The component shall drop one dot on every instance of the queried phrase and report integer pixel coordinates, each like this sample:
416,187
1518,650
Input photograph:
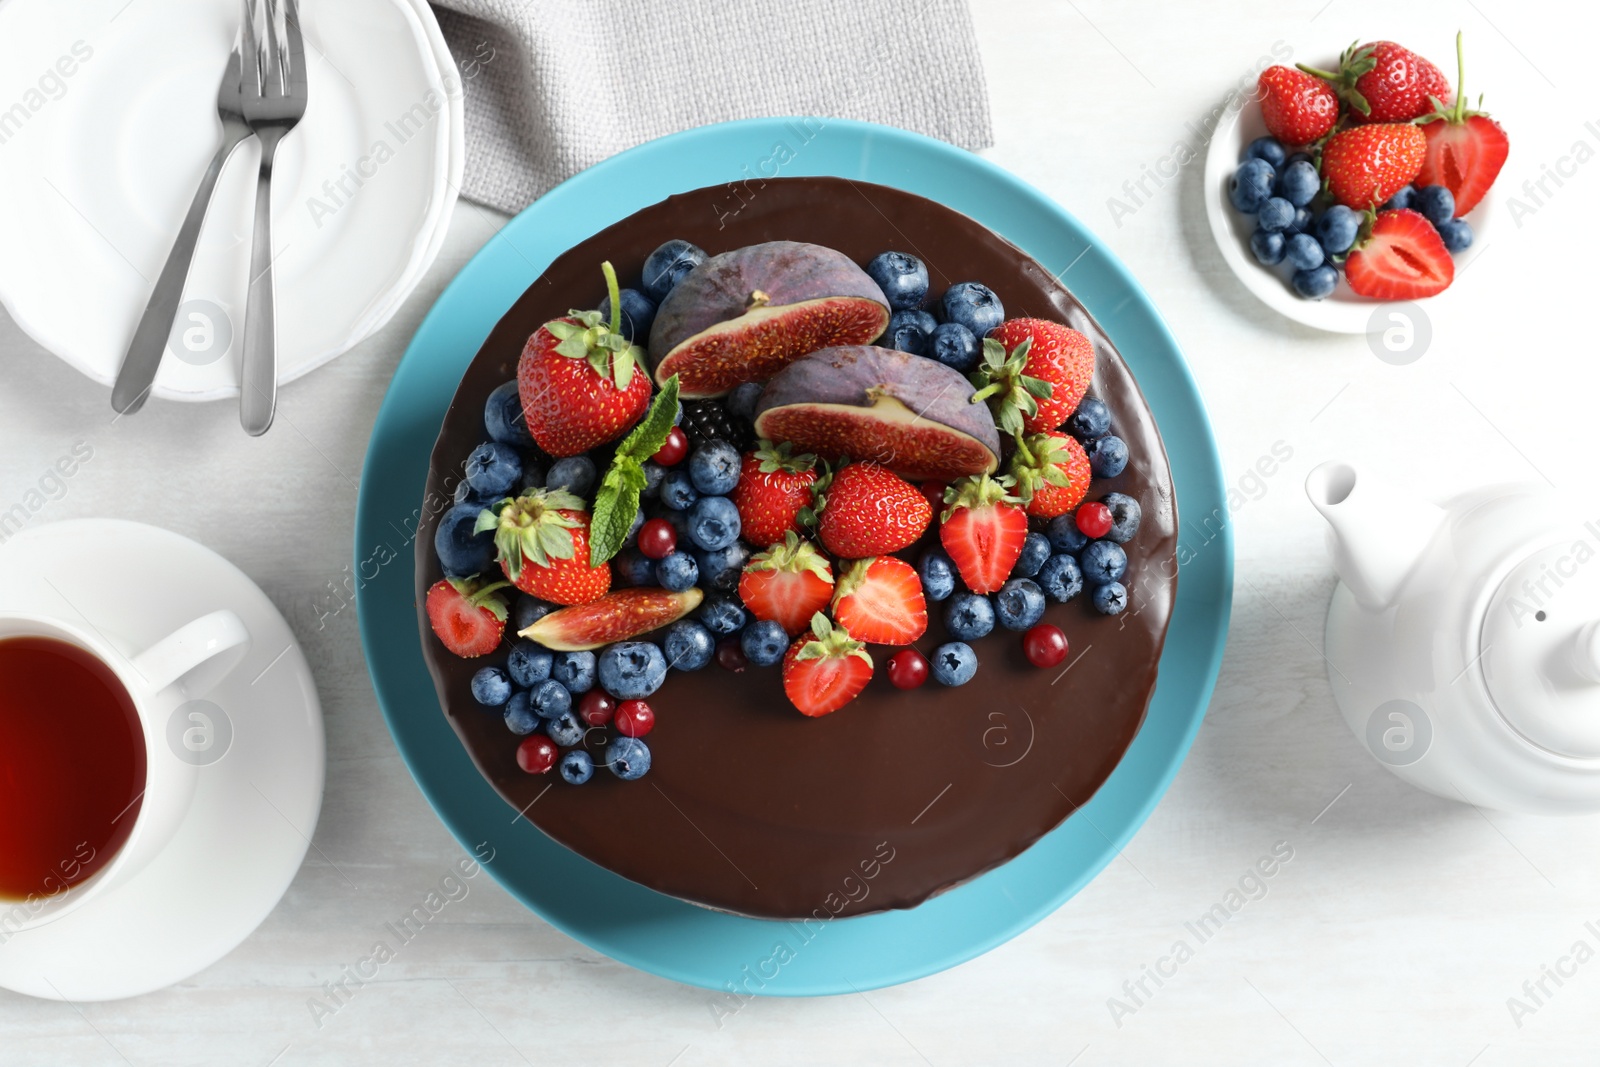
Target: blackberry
710,420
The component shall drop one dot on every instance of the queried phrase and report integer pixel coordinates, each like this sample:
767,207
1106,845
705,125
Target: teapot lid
1540,649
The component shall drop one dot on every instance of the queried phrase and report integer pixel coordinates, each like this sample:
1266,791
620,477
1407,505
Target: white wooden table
1398,929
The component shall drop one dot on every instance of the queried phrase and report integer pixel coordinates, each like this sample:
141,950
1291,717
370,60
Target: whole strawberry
774,488
542,541
983,530
788,583
1051,472
868,510
467,615
1385,82
1033,374
825,671
580,381
1298,107
1466,149
1365,165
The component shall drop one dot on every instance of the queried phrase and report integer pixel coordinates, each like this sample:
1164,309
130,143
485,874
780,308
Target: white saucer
256,806
1345,311
95,179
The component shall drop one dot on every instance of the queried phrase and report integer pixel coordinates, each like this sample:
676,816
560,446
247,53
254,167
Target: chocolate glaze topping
750,807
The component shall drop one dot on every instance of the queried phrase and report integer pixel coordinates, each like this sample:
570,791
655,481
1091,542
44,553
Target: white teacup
184,665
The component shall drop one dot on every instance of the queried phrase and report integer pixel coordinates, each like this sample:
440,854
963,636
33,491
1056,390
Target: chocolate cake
752,808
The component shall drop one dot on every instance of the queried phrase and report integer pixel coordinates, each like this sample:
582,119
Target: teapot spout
1376,533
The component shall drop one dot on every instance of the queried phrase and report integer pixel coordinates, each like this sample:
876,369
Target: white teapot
1463,641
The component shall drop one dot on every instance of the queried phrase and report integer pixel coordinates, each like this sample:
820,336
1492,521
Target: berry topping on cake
774,488
826,670
868,510
879,600
982,529
1045,645
787,584
1033,374
1051,472
908,669
542,541
467,615
616,616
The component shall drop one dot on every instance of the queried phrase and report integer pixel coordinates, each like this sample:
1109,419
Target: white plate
98,165
256,804
1345,311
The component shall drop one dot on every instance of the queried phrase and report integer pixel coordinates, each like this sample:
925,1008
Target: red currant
934,491
596,707
537,754
657,538
731,656
634,718
908,669
1044,645
675,448
1094,519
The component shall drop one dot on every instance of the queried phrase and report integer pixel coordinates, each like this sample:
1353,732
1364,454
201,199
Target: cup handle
219,638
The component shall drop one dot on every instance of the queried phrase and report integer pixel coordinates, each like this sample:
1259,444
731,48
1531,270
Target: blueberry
634,567
677,571
910,330
628,758
550,698
632,670
1456,235
520,717
1315,284
461,552
491,687
1337,229
1035,550
1303,252
565,729
653,474
1019,604
714,468
742,401
1251,185
721,568
576,767
533,473
902,277
1437,204
503,417
1060,578
713,523
938,574
1125,516
1107,457
493,469
688,645
722,615
638,312
1304,222
954,663
575,474
969,616
1110,599
1275,215
632,537
677,491
1404,197
1092,420
1267,247
764,642
575,670
465,494
666,266
954,345
1104,562
974,306
1267,148
1064,534
528,664
1299,183
678,520
528,610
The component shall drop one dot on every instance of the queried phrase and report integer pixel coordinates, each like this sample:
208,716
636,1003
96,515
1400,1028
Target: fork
273,90
149,342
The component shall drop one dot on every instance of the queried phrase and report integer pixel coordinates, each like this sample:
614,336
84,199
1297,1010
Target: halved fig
617,616
744,315
913,415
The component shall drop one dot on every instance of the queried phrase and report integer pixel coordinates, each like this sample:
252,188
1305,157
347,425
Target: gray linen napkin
554,86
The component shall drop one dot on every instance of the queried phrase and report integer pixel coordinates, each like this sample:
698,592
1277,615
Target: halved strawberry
1033,374
617,616
825,671
983,530
468,615
774,488
1465,149
1403,259
880,601
542,541
1052,473
868,510
788,583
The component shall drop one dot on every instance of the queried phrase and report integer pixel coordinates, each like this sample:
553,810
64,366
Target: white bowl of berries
1335,194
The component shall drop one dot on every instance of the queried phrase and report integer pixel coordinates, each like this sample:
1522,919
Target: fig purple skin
744,315
911,414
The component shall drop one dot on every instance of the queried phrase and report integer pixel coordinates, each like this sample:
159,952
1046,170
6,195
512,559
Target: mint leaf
646,439
617,500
